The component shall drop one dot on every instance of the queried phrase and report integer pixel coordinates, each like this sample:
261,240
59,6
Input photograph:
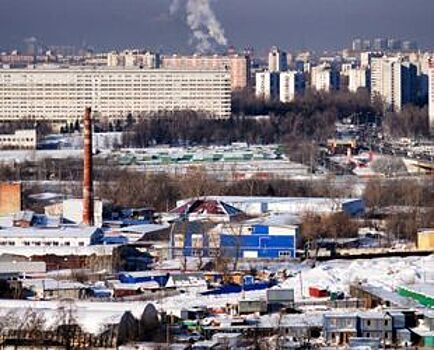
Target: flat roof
36,232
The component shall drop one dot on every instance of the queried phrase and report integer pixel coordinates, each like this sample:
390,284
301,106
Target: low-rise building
20,139
340,327
50,237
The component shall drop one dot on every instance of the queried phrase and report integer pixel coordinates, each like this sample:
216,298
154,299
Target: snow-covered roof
22,267
51,284
145,228
36,232
100,250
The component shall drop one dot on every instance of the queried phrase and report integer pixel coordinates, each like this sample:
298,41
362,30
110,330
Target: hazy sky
291,24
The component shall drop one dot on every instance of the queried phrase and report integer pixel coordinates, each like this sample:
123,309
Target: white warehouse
50,237
61,94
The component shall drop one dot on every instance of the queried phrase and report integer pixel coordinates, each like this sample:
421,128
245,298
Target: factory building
62,94
244,241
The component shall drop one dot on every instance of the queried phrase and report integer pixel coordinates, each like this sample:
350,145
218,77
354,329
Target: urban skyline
291,24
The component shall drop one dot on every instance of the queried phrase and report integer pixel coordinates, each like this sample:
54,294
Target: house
376,325
340,327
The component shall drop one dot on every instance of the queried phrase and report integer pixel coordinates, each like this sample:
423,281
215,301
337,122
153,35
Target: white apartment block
358,78
431,96
267,85
21,139
133,58
324,78
291,84
277,60
393,80
61,94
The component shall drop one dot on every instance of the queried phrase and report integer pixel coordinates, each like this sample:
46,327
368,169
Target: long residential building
61,94
237,64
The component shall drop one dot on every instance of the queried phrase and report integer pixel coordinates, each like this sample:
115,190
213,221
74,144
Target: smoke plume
205,28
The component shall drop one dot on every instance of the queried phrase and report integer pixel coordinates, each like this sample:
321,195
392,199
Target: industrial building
291,205
244,241
259,241
37,237
62,94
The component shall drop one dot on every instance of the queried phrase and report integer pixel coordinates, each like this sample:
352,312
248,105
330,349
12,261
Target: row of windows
40,243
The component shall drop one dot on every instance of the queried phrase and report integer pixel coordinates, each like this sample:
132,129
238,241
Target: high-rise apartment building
277,60
325,78
291,84
267,85
394,80
62,94
358,78
379,44
357,44
133,58
237,64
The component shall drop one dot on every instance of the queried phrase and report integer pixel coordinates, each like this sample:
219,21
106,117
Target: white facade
358,78
72,210
277,60
133,58
38,237
324,78
291,84
393,80
267,85
21,139
59,94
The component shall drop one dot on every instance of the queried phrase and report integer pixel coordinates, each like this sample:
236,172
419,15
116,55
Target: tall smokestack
87,170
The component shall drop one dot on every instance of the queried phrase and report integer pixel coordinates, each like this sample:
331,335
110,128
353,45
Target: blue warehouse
235,240
260,242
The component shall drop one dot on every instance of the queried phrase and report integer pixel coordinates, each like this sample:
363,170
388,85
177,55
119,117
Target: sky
290,24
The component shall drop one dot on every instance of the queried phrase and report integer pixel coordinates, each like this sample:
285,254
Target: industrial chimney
87,170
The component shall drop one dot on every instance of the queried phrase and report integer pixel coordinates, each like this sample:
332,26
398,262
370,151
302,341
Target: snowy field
335,275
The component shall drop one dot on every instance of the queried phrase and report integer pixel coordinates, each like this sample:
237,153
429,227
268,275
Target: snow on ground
335,275
389,273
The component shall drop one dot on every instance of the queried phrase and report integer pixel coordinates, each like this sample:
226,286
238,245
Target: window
67,244
368,335
368,322
284,253
81,244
